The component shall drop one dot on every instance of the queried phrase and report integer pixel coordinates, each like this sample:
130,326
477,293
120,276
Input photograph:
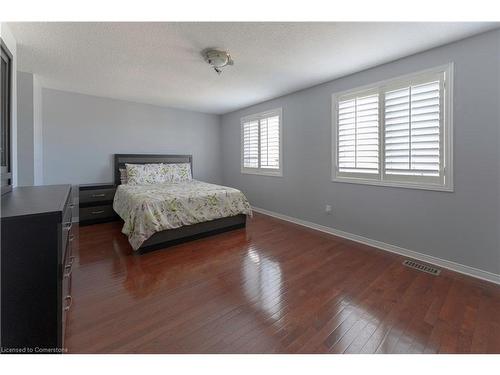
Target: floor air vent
422,267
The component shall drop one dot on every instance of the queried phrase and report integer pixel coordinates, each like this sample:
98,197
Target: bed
158,215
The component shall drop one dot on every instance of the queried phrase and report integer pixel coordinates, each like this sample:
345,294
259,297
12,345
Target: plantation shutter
412,130
261,143
358,135
251,144
269,142
397,132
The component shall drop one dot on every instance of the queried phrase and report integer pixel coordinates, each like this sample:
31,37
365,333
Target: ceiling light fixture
217,58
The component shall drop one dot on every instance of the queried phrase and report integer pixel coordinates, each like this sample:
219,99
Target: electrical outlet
328,209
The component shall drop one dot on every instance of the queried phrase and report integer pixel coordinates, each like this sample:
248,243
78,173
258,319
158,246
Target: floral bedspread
147,209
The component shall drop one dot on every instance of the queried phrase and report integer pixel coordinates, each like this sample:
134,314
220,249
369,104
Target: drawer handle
98,195
68,225
70,299
71,237
72,205
97,212
71,259
70,268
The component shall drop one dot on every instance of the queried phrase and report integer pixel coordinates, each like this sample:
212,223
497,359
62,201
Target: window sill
405,185
263,173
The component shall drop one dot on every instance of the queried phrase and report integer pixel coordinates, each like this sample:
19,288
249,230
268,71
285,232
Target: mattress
147,209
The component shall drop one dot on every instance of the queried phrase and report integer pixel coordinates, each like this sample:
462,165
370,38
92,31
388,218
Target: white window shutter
397,132
412,130
261,143
251,144
358,135
270,142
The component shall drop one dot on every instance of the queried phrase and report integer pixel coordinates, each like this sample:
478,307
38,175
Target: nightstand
96,203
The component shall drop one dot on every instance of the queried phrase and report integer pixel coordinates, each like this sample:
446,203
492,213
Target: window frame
6,174
257,117
380,179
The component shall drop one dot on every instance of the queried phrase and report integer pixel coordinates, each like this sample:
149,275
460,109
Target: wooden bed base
186,233
172,237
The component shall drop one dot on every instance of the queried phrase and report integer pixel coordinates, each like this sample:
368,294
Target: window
5,119
261,146
396,133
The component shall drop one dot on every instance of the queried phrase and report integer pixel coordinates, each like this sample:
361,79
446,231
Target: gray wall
25,130
81,133
461,226
37,132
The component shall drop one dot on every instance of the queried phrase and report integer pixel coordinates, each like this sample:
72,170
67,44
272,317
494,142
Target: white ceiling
160,63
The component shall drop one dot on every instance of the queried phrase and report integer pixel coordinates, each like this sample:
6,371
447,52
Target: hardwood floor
273,288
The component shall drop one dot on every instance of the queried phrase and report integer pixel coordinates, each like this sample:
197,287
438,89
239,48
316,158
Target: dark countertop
34,200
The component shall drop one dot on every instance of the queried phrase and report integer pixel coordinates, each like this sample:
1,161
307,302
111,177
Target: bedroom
250,187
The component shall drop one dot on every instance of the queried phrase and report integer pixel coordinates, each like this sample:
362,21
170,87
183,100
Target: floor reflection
262,282
140,279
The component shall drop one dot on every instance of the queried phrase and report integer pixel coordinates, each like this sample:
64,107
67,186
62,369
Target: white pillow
149,174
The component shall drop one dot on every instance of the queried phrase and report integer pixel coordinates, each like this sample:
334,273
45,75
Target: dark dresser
96,203
36,238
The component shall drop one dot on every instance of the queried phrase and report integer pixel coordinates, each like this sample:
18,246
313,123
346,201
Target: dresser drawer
97,195
67,301
68,211
67,224
97,212
67,256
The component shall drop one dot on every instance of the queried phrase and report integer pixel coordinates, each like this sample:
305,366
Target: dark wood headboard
121,159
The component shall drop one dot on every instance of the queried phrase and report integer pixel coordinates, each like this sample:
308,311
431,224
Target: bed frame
175,236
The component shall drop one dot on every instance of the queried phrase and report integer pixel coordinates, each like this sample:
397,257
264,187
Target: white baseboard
457,267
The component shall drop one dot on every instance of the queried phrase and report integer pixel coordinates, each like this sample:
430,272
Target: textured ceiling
160,63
